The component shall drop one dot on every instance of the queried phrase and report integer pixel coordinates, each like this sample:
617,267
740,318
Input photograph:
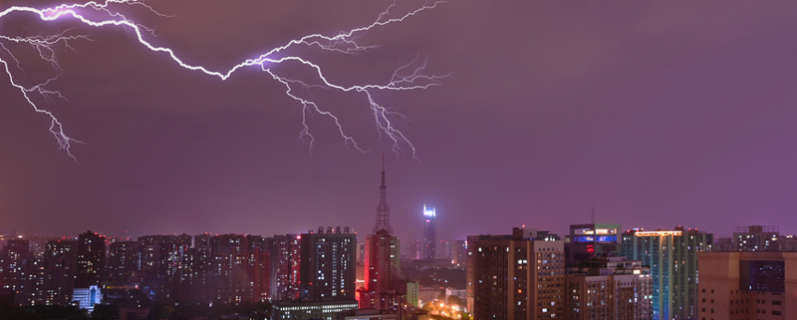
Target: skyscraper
162,261
61,264
285,255
249,277
90,260
123,260
327,268
12,257
429,233
672,257
162,255
382,253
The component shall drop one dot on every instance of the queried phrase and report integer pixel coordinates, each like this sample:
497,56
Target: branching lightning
409,76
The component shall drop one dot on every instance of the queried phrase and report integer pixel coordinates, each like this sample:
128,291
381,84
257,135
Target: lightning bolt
409,76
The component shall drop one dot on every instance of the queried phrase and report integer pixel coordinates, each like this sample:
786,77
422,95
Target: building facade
747,285
87,298
328,265
90,260
285,261
609,288
672,258
12,259
382,270
123,260
515,277
314,310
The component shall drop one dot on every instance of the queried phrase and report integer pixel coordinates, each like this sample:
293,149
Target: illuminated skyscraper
382,253
429,233
672,257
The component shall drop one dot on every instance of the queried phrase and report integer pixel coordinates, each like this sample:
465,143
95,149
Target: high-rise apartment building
61,266
429,233
90,260
382,272
123,260
248,279
198,282
515,277
328,265
609,288
230,243
31,283
747,285
162,255
202,242
285,261
12,259
162,261
236,270
672,258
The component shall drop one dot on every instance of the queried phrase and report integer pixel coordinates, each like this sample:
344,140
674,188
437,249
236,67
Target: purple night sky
658,113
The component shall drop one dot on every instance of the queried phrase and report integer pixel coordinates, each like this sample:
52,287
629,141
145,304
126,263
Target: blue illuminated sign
596,239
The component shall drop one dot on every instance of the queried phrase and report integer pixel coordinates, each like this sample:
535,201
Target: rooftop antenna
593,213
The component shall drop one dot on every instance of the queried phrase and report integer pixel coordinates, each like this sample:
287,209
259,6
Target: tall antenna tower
383,210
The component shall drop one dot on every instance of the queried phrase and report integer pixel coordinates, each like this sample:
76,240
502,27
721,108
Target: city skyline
659,114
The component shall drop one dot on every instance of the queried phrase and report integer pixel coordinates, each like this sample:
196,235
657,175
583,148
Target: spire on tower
383,210
383,171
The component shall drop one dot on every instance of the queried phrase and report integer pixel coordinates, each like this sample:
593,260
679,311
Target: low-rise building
327,310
